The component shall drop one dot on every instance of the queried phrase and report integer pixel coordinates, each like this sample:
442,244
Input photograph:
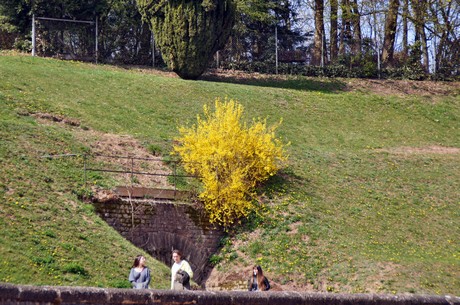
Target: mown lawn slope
369,201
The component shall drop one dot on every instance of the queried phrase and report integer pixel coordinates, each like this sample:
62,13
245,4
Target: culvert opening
158,221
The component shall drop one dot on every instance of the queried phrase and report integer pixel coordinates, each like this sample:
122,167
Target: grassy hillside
369,201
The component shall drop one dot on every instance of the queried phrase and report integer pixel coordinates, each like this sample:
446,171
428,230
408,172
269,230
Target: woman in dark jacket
258,282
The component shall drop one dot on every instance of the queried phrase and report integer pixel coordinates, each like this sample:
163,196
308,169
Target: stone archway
160,245
159,226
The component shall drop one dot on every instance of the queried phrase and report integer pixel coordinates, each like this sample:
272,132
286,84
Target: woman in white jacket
181,272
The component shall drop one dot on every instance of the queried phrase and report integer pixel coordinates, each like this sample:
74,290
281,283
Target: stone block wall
159,226
46,295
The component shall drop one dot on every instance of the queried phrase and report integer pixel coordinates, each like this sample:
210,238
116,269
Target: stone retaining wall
159,226
52,295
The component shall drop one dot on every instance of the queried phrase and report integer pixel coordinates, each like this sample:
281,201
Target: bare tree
405,18
345,33
390,32
419,8
333,32
444,17
319,51
356,21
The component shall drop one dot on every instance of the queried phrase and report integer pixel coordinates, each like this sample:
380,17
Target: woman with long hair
140,273
181,272
258,282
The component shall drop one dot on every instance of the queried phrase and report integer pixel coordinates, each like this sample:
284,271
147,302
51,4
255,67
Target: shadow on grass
277,186
302,83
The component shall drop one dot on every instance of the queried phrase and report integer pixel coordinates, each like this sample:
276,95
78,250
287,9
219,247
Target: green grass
349,213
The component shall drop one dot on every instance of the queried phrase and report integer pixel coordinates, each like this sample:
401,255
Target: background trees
123,38
253,38
360,38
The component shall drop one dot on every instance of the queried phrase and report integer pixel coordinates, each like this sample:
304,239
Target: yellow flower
230,158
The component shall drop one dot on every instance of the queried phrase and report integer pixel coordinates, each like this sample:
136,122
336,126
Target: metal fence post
132,171
175,176
84,169
96,41
276,48
33,35
153,49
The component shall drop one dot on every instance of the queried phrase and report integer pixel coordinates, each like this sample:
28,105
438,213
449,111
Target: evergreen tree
189,32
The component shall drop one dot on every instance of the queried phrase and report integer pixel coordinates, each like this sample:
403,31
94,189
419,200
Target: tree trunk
405,27
390,33
319,52
420,9
356,19
345,33
333,39
439,31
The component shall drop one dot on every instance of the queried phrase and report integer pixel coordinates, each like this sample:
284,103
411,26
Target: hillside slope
368,203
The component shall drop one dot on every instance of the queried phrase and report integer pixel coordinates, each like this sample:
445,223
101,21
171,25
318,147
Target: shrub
230,158
215,259
75,269
43,261
155,149
119,283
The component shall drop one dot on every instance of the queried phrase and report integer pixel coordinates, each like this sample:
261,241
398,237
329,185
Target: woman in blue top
140,274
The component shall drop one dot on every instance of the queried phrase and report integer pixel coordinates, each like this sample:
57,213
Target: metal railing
132,172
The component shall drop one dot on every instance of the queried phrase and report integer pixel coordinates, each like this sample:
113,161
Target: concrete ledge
55,295
73,295
145,192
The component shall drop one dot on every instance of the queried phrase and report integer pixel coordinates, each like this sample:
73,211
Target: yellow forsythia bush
230,158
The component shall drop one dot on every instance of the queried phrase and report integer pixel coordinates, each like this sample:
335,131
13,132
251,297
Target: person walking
181,272
139,276
258,282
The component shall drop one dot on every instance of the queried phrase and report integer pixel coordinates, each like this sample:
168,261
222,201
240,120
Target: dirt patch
57,119
380,273
240,76
103,195
237,279
123,152
116,152
442,150
429,89
294,228
153,71
404,87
